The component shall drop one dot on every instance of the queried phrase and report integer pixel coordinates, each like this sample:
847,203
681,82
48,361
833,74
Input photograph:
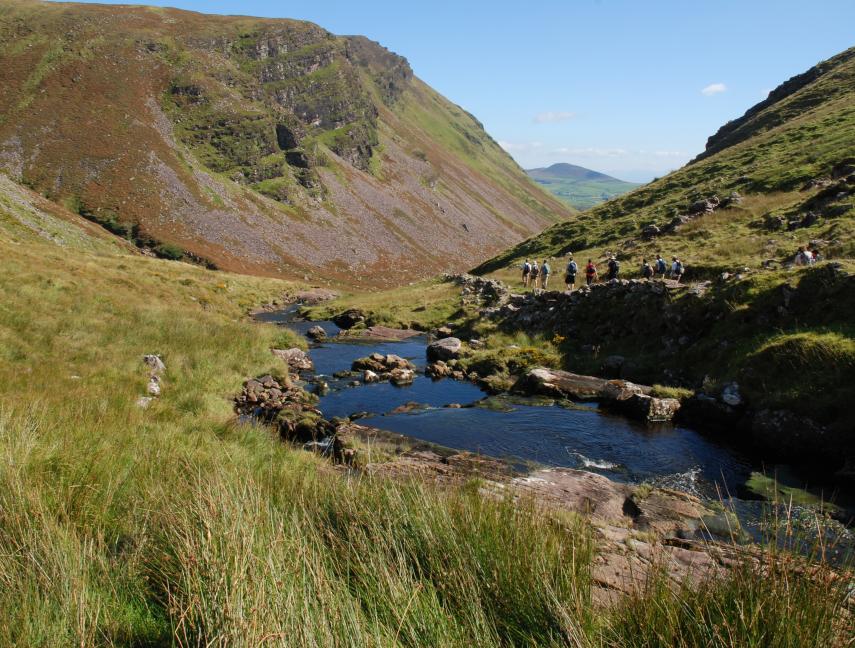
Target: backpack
647,271
660,266
526,268
616,266
545,269
572,268
534,271
680,268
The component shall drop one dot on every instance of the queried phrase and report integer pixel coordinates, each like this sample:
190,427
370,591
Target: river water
527,431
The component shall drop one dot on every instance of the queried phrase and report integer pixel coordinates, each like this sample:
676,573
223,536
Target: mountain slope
263,146
787,159
577,186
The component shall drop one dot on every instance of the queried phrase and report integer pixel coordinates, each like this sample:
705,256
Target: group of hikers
806,256
536,276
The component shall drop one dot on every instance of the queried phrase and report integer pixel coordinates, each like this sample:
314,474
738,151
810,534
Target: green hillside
579,187
264,146
793,157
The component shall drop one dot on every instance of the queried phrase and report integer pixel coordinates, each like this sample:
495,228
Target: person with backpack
535,275
526,273
614,268
570,275
677,269
590,272
661,266
545,270
646,270
804,257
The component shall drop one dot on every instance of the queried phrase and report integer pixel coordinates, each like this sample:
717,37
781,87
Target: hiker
614,268
661,266
590,272
676,269
804,257
646,270
535,275
814,252
570,275
526,273
545,271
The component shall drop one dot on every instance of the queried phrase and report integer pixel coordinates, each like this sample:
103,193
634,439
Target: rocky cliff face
265,146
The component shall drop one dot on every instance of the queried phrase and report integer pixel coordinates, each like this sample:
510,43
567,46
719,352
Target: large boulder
317,333
402,376
648,408
349,318
444,349
296,359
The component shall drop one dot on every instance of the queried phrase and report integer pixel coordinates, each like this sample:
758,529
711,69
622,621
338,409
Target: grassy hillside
804,135
579,187
264,146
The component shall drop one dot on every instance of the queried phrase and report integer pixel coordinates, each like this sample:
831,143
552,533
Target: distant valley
579,187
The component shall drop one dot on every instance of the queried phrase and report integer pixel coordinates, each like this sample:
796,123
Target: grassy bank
421,306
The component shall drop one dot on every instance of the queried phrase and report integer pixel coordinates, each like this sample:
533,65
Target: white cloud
519,147
553,117
669,154
713,89
590,152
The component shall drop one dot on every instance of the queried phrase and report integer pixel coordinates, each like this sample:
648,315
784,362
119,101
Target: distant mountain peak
577,186
573,172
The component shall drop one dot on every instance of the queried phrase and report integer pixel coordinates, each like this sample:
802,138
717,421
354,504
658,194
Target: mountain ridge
265,146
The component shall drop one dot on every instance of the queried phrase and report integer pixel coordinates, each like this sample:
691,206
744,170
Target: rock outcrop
378,367
296,359
621,395
444,349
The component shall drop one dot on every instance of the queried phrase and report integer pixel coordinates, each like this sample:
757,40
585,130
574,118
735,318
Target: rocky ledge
620,395
637,529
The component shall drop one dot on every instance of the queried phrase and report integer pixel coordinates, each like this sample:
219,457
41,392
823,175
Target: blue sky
628,87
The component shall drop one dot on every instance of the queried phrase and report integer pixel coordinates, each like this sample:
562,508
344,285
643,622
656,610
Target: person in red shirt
590,272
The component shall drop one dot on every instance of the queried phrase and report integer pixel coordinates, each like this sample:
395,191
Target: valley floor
175,524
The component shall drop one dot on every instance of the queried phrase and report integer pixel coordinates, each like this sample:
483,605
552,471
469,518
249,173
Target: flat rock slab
579,491
379,334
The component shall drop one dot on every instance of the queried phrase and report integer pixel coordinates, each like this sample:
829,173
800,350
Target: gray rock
349,318
154,363
731,396
296,359
650,231
317,333
444,349
369,376
402,376
154,386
